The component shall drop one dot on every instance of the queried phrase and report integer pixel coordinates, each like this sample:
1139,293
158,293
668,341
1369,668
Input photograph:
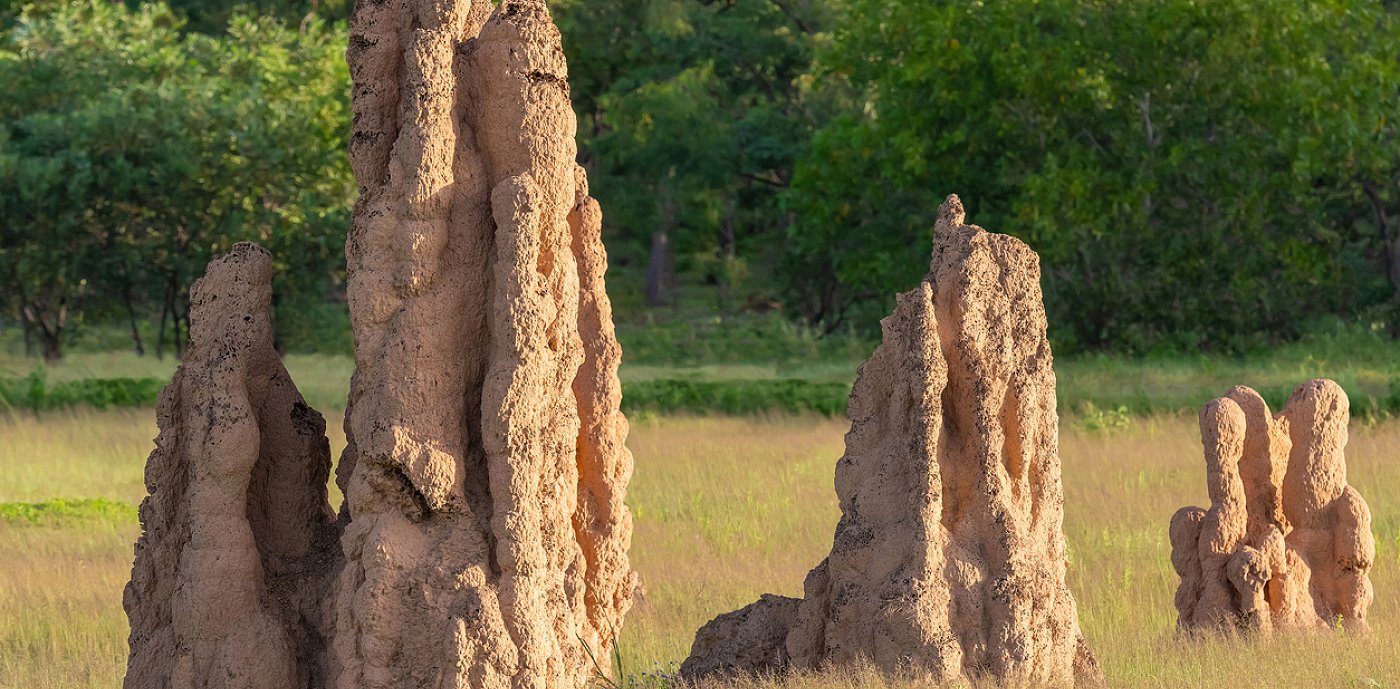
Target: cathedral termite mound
484,427
949,560
483,539
1286,543
238,537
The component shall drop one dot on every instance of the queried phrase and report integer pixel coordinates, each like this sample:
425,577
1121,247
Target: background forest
1214,176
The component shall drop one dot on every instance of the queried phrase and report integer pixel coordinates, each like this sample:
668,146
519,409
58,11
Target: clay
949,560
483,539
1286,543
751,640
238,537
486,469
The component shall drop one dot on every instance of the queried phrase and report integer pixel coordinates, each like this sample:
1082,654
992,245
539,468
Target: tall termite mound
1286,542
238,537
483,538
485,472
949,560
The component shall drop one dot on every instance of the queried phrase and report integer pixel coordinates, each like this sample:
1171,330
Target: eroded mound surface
238,538
949,560
483,539
1286,543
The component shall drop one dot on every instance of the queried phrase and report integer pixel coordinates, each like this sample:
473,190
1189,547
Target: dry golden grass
727,509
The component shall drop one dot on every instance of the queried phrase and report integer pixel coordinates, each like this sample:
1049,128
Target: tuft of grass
1091,418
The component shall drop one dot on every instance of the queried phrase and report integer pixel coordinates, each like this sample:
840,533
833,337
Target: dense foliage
691,115
1194,174
131,152
1214,175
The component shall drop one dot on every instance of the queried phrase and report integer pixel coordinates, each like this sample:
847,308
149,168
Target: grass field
725,509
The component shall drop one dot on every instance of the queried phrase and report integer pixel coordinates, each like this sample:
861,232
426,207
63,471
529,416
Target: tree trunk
659,266
1390,251
136,344
50,333
131,319
656,269
164,313
727,255
28,336
53,349
182,316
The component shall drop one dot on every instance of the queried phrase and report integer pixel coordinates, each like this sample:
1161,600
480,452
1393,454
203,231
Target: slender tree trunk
728,245
28,336
50,333
131,319
656,269
182,316
1390,252
727,257
55,352
167,307
136,344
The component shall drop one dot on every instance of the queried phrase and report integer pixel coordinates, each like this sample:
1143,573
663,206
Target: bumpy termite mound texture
483,539
949,559
486,466
1286,542
238,537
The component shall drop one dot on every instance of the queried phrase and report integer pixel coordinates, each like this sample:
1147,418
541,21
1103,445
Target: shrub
34,392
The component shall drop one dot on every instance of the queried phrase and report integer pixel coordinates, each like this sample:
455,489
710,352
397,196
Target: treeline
1194,175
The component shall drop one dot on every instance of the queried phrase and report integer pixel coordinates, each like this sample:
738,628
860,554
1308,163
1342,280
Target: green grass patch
1100,394
735,397
36,392
666,396
60,512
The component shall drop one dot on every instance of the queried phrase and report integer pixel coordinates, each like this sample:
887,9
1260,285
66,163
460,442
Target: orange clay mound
483,539
1286,542
949,560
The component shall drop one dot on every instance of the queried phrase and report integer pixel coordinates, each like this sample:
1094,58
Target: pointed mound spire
949,560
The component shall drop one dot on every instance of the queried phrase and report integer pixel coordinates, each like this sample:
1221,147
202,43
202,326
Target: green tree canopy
691,114
1192,173
130,153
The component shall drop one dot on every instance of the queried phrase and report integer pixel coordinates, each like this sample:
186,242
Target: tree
1188,171
131,153
691,114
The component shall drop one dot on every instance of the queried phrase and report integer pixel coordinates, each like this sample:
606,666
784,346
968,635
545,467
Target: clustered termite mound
949,561
483,538
1286,542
